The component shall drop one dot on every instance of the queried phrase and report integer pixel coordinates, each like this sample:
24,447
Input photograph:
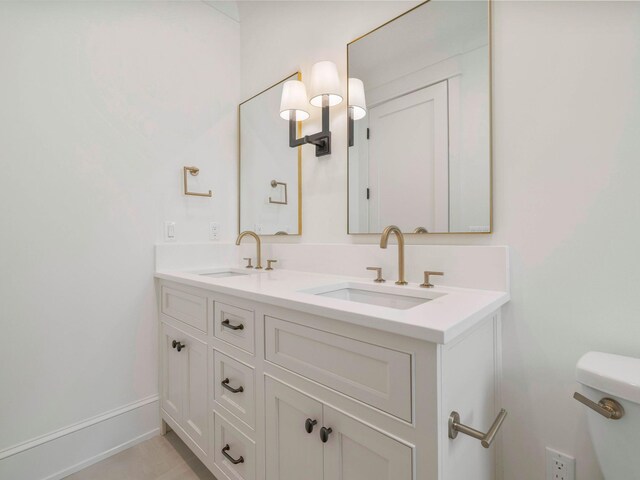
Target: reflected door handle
225,384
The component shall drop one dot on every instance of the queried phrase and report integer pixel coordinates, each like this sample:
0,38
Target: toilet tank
616,442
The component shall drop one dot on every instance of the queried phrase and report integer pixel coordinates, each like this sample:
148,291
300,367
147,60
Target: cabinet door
355,451
292,452
172,373
194,407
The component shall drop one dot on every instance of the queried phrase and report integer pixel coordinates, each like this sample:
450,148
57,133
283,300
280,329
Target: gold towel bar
485,438
274,184
193,171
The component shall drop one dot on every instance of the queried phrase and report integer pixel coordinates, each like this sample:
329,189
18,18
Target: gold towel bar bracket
193,171
275,184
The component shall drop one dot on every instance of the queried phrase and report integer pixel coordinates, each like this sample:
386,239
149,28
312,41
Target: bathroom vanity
287,375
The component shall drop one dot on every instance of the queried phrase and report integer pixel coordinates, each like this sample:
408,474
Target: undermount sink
382,296
223,272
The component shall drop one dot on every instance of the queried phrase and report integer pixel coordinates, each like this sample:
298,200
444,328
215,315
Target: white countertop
440,320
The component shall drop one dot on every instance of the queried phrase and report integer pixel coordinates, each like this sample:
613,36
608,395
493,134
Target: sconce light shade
356,98
294,101
325,81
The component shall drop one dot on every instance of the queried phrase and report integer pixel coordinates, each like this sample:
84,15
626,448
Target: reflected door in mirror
419,154
410,132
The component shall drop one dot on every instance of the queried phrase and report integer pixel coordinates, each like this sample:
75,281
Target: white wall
102,105
566,114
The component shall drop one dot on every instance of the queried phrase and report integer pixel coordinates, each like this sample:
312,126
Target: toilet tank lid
615,375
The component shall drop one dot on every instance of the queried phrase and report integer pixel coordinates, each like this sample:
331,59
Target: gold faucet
258,245
384,240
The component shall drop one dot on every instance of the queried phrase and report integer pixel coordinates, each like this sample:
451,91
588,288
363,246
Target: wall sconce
325,93
357,105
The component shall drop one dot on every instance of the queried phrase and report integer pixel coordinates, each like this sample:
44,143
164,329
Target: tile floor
159,458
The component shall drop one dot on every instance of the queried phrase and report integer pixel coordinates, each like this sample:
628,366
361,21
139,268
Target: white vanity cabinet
184,387
261,392
349,449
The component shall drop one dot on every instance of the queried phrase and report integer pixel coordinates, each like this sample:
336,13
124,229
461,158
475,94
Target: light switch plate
169,231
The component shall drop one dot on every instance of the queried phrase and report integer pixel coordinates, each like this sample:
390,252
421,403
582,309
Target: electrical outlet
214,231
560,466
169,231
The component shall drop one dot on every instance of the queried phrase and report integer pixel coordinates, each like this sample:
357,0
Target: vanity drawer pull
229,457
236,326
225,384
177,345
324,434
227,324
308,425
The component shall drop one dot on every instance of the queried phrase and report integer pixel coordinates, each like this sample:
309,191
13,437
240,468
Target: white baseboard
65,451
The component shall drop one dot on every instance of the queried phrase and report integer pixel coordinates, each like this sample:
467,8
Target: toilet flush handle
607,407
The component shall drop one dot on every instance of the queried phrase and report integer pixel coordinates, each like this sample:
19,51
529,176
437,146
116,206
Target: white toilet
616,441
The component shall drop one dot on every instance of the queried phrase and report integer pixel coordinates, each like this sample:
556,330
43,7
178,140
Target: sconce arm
322,139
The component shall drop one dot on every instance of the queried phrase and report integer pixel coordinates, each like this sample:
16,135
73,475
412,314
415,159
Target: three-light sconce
325,93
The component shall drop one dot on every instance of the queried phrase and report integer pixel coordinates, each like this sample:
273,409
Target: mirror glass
420,122
269,169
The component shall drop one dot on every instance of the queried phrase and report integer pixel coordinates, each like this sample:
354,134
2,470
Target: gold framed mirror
269,171
419,92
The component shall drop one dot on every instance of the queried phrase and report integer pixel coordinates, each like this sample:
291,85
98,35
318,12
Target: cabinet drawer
234,325
233,387
376,375
186,307
234,453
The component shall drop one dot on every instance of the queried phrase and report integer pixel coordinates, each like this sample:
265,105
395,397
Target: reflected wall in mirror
269,170
420,122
